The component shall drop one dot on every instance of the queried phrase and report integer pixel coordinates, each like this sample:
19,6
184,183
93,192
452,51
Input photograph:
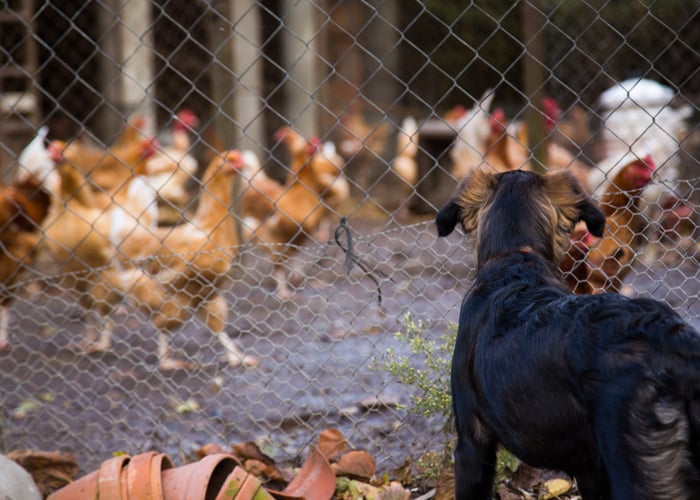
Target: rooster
185,265
23,206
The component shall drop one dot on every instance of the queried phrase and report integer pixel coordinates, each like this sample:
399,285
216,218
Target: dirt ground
318,351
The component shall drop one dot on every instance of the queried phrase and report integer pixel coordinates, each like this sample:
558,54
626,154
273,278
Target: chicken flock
140,223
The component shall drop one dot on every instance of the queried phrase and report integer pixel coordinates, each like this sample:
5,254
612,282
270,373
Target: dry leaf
256,462
331,442
555,488
356,463
394,491
209,449
51,471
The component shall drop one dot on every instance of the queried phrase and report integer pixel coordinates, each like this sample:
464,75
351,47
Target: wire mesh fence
217,214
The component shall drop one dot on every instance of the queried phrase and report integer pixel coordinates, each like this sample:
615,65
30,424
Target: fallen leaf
189,406
25,407
356,463
331,442
555,488
209,449
47,396
51,471
256,462
394,491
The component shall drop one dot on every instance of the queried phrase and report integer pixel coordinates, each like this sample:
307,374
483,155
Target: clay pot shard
315,481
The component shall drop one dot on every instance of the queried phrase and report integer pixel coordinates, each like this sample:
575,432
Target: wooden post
234,36
127,65
299,59
533,21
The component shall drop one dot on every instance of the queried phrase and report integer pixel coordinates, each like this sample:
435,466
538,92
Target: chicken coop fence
216,216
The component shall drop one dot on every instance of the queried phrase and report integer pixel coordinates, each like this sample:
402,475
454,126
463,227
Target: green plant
428,370
432,379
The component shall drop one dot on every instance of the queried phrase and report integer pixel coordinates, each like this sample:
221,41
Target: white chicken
473,132
637,117
405,164
37,160
171,167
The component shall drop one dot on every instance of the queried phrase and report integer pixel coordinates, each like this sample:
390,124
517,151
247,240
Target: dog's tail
663,436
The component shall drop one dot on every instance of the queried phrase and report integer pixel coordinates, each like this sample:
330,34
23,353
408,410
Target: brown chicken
172,167
610,258
186,264
315,178
259,191
110,169
81,234
23,207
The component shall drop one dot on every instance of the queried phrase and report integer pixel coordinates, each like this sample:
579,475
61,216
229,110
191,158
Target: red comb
551,110
497,120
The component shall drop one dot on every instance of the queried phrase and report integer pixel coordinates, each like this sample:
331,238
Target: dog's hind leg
475,465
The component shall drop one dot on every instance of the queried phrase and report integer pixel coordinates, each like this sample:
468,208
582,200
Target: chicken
405,164
186,265
315,179
259,192
610,258
637,117
334,188
473,135
23,206
108,170
508,149
574,268
172,167
362,138
78,241
36,161
454,114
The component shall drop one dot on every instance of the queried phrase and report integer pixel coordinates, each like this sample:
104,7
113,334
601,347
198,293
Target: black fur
604,387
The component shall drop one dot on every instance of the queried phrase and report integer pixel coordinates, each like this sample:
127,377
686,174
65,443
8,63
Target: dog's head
520,210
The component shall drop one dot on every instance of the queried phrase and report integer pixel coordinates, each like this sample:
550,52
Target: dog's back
603,387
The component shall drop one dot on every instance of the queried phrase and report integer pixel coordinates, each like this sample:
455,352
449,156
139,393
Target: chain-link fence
234,206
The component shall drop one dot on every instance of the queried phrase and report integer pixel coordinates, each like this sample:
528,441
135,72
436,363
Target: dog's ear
592,216
447,218
572,201
465,204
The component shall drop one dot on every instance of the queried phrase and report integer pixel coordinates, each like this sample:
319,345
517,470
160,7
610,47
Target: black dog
603,387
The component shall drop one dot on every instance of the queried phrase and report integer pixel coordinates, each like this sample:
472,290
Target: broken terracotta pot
109,479
315,481
202,480
83,488
241,485
144,475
